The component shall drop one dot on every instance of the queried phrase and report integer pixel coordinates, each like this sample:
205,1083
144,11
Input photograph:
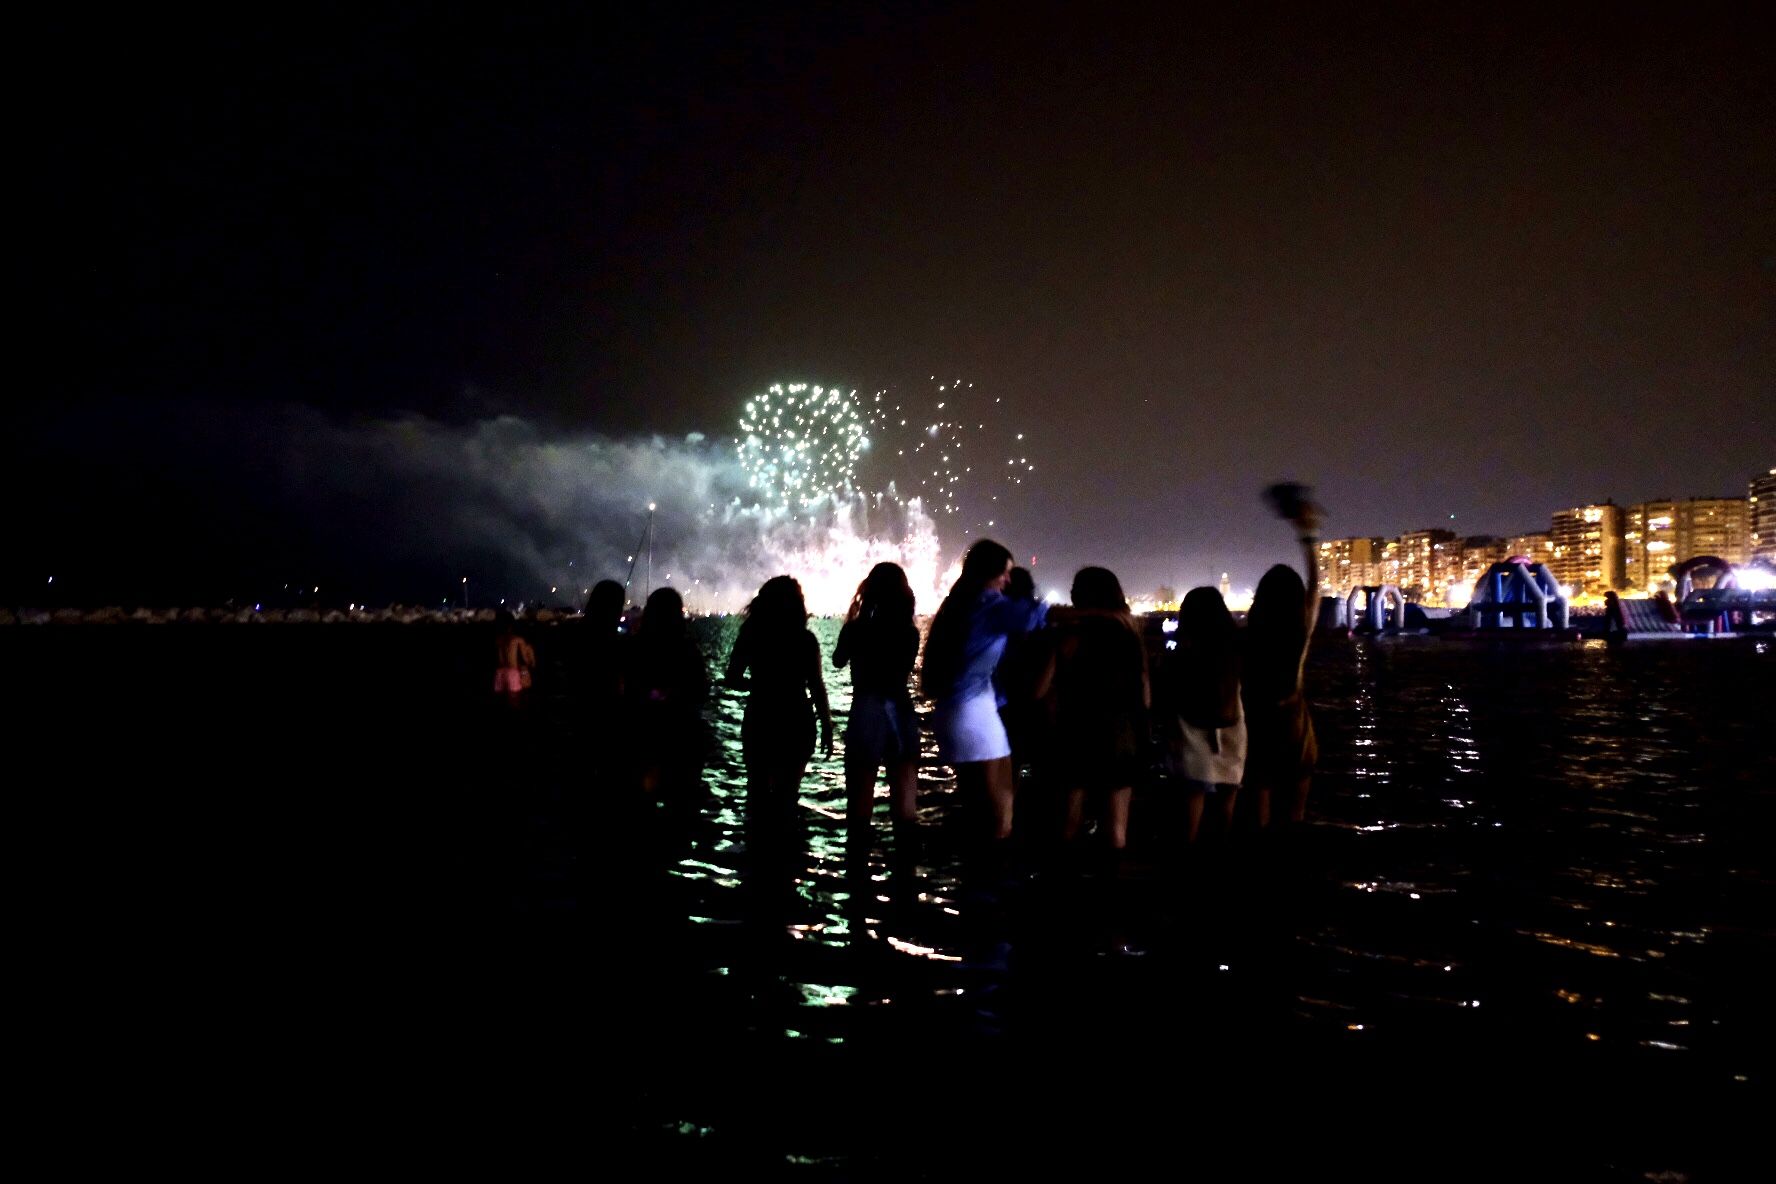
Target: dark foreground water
290,890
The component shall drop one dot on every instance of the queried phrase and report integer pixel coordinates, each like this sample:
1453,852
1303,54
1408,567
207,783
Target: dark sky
1484,264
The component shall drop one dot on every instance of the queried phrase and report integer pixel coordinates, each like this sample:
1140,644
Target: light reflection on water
1523,831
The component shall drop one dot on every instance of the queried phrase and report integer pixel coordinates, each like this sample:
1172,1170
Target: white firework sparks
800,444
945,445
836,483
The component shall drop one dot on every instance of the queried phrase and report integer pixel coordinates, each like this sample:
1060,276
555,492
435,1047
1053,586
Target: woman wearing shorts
880,643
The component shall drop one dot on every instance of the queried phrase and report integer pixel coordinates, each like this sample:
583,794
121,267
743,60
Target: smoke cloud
207,504
560,512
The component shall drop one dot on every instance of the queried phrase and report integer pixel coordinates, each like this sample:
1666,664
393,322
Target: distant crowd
1075,697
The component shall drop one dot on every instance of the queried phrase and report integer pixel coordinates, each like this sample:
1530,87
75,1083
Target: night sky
1484,265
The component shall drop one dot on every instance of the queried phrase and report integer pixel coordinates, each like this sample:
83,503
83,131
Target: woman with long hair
1281,747
968,636
1097,685
782,657
1203,678
880,643
665,685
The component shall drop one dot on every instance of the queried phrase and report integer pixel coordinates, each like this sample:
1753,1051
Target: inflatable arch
1376,613
1684,574
1523,593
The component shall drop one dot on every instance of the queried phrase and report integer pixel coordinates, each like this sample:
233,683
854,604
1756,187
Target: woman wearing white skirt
968,637
1209,745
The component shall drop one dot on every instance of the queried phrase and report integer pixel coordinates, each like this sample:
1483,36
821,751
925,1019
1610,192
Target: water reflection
1505,846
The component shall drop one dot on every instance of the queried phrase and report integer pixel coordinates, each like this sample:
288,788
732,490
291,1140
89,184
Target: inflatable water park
1520,599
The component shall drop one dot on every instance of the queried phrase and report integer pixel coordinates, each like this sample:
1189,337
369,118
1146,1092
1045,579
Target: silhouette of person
1208,743
968,636
665,685
1097,691
1281,749
881,644
778,660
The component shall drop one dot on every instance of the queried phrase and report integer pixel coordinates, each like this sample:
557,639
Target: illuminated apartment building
1349,563
1762,503
1649,544
1478,553
1718,526
1658,534
1537,546
1470,559
1588,548
1428,561
1387,567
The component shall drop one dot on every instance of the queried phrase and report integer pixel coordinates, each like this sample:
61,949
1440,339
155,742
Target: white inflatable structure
1377,614
1518,594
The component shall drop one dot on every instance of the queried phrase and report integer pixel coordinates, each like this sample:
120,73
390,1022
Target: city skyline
1591,548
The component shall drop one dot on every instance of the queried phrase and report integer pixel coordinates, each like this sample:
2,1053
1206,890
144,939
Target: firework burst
803,444
800,444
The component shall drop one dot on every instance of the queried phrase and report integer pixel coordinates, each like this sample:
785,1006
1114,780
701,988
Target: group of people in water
1083,695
